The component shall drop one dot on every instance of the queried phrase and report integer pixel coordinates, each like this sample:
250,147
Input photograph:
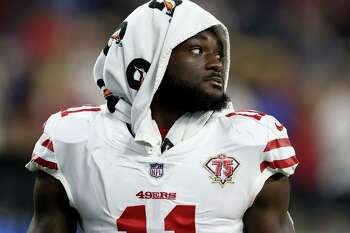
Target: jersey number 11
181,219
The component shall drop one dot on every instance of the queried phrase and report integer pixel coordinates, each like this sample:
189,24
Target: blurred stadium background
290,58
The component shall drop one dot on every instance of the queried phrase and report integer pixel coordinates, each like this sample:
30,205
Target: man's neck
165,116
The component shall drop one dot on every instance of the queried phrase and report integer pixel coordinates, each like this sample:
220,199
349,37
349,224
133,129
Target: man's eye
197,51
220,56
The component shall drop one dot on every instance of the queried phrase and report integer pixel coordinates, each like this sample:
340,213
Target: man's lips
216,80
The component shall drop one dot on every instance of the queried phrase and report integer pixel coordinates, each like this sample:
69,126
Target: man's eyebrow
204,37
199,37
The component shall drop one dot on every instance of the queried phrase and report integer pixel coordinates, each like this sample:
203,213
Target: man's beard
179,96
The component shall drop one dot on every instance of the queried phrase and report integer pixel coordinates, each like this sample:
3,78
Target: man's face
193,80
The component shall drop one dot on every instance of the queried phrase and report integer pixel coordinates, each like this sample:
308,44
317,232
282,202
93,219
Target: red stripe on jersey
44,163
67,112
283,163
48,144
277,143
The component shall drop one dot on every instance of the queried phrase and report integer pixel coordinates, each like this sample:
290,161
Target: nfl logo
156,170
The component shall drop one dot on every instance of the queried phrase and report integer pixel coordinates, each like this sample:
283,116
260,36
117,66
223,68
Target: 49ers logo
117,37
221,168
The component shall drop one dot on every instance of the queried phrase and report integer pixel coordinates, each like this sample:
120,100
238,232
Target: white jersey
204,184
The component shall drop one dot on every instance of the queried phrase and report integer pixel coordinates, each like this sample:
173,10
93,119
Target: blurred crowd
290,59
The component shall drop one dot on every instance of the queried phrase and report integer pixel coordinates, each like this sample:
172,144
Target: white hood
140,49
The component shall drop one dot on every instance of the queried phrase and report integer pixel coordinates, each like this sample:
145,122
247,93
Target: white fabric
103,178
151,34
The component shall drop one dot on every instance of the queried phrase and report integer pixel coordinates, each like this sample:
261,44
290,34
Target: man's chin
191,99
214,94
209,102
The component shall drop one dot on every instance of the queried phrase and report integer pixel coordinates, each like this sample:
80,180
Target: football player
166,152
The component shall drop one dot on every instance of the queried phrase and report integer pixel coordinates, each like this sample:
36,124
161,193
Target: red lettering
156,195
218,164
228,168
140,195
172,196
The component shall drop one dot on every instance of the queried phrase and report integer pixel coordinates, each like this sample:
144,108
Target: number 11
181,219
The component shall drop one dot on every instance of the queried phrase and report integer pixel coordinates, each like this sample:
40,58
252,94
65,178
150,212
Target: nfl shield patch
156,170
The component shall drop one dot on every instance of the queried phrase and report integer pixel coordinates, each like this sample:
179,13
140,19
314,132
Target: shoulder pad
278,154
72,125
267,121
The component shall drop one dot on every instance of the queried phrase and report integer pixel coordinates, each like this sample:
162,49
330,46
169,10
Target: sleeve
44,156
278,155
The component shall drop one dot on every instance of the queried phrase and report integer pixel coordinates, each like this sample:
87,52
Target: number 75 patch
221,168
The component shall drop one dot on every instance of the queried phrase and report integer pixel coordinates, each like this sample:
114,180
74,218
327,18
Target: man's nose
214,63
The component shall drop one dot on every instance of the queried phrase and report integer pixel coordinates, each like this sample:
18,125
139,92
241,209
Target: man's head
194,78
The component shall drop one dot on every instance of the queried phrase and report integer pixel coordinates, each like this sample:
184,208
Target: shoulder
278,154
72,124
256,121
